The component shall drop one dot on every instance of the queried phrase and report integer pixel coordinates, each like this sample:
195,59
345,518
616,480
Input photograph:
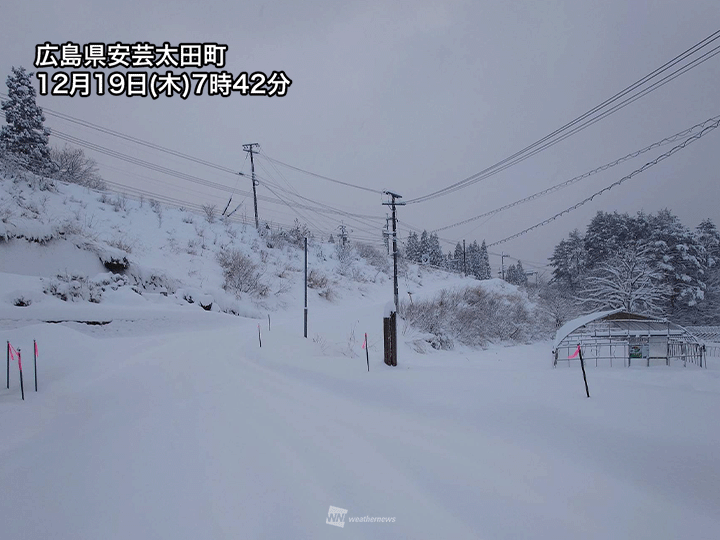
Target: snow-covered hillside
172,421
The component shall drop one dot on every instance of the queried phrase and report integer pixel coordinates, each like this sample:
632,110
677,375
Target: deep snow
172,422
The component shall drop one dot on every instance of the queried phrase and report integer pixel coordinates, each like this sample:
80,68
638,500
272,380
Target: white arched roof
569,327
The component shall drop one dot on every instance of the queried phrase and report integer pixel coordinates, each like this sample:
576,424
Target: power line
583,176
649,164
552,138
148,144
348,184
135,140
177,174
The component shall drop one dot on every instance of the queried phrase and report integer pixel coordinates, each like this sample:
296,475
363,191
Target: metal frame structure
639,337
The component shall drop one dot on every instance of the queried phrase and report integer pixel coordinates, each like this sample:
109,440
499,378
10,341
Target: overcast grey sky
410,96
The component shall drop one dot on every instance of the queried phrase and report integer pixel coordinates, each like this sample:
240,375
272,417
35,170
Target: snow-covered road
199,433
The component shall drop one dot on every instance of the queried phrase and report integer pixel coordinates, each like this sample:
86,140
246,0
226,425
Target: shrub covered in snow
476,316
76,288
241,273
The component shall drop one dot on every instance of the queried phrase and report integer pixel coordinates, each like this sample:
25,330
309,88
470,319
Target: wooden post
582,365
259,337
387,347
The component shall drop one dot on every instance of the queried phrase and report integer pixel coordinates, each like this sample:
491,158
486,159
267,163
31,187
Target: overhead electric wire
347,184
137,140
171,172
552,138
363,226
583,176
649,164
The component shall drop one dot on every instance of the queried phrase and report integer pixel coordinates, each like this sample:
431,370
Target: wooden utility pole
343,232
250,148
393,203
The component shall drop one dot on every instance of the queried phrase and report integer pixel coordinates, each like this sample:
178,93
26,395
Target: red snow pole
35,355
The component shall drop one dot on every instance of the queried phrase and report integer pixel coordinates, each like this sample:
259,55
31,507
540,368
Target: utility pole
250,148
343,232
393,203
502,264
386,233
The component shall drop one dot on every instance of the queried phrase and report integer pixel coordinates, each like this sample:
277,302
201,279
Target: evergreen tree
708,238
474,266
570,262
485,272
511,274
412,248
24,136
424,251
678,256
520,276
606,234
331,239
458,257
436,254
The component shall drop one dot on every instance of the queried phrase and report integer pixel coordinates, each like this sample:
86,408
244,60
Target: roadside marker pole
22,388
35,362
582,365
367,354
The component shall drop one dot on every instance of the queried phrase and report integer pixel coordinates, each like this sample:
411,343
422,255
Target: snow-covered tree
570,262
25,136
708,311
510,274
71,165
627,280
331,239
557,304
474,261
412,248
484,271
435,251
424,249
607,233
516,274
458,257
678,256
